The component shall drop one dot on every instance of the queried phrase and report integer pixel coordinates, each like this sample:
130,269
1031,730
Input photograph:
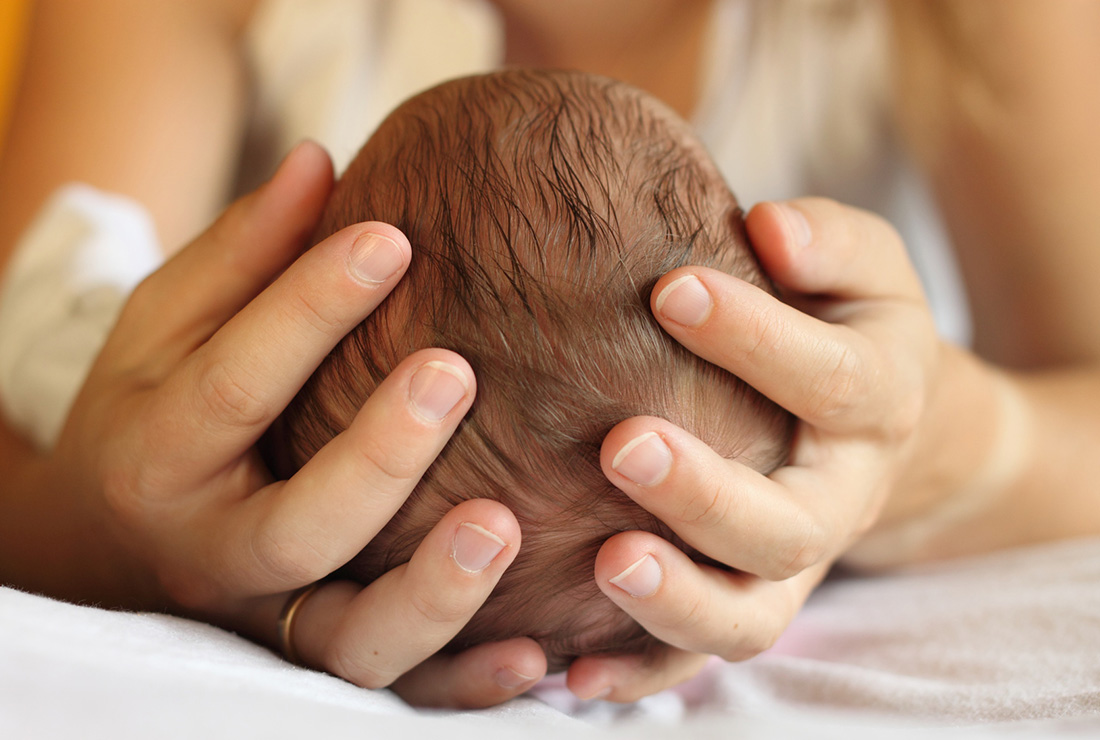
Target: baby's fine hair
541,208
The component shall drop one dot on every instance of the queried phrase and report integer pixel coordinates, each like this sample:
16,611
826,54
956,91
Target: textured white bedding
1007,644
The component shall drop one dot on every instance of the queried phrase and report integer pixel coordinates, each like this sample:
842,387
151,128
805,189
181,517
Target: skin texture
996,104
164,504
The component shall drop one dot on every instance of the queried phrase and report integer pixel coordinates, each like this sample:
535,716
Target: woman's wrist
966,453
51,539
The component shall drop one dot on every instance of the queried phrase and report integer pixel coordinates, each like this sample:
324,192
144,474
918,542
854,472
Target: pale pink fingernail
509,679
375,258
685,301
646,460
797,225
641,578
436,388
600,694
475,547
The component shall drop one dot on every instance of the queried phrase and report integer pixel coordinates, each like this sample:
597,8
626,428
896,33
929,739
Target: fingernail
797,225
642,578
685,301
435,389
601,694
374,258
509,679
475,547
646,460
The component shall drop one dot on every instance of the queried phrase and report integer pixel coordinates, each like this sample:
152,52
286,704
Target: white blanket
972,648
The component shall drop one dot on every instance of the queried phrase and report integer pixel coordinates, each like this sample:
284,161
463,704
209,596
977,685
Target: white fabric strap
67,282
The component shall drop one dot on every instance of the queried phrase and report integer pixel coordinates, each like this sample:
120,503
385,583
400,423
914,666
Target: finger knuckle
193,591
289,559
689,616
839,389
122,489
707,509
809,546
226,399
743,649
127,487
751,641
319,315
438,607
360,670
754,643
397,463
763,330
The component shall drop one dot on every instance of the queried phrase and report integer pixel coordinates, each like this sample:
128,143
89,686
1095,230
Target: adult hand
851,351
160,444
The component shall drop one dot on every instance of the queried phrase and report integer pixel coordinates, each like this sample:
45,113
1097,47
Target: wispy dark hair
541,208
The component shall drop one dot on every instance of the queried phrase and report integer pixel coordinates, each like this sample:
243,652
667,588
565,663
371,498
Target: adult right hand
181,514
852,352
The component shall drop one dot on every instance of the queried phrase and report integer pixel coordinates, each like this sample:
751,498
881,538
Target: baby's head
541,208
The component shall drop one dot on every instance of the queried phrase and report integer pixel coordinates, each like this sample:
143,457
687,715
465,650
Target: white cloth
1009,641
68,279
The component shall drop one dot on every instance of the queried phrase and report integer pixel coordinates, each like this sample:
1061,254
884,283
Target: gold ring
286,620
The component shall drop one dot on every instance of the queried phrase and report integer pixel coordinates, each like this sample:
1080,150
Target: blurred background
13,18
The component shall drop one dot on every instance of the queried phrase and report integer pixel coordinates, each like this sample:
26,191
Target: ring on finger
287,616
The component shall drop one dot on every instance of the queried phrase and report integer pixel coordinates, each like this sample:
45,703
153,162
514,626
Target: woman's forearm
1056,492
997,108
38,530
142,99
52,542
1007,459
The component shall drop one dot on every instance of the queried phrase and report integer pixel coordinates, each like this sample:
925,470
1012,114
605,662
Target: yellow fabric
14,15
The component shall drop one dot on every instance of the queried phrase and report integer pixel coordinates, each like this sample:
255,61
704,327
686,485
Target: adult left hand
851,351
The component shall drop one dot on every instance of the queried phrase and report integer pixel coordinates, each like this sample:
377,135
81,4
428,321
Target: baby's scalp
541,208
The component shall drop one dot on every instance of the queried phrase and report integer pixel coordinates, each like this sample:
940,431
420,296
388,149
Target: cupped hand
160,443
852,352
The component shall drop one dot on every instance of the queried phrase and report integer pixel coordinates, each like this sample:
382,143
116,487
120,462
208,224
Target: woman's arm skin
953,453
1000,106
140,98
155,498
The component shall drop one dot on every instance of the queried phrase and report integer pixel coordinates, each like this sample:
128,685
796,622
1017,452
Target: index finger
291,533
820,247
180,305
231,389
827,374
